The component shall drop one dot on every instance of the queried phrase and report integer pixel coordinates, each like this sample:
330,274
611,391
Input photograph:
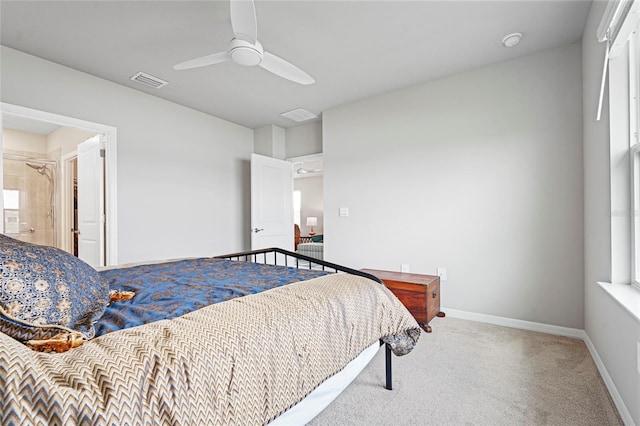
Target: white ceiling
29,125
353,49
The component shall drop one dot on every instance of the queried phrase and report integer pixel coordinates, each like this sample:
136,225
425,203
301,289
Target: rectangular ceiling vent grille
149,80
299,115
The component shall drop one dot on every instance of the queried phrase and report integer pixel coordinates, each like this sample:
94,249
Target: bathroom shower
43,169
30,198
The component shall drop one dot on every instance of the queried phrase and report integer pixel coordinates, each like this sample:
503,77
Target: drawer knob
435,294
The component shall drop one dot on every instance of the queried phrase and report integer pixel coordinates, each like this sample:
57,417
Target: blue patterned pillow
45,291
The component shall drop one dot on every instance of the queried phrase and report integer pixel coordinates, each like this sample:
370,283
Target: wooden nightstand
419,293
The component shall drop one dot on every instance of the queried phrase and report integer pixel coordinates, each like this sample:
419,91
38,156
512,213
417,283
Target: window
634,150
621,29
635,224
297,205
11,211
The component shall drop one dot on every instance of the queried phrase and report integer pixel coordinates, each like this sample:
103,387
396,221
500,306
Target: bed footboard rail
278,256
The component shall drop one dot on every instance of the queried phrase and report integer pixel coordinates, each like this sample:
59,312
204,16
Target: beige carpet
469,373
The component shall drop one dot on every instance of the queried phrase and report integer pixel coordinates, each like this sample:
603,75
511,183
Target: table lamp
312,221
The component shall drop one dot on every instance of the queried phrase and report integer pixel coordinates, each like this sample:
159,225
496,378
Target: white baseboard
515,323
613,391
556,330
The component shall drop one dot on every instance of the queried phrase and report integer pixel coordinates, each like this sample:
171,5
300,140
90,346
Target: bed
271,341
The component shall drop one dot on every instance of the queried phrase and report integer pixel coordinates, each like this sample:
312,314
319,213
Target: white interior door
91,202
271,203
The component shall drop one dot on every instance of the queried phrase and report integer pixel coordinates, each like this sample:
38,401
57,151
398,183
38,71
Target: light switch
344,211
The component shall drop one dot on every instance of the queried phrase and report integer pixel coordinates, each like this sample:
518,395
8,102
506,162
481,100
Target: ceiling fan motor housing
245,53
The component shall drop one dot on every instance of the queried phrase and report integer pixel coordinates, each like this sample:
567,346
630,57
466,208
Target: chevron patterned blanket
240,362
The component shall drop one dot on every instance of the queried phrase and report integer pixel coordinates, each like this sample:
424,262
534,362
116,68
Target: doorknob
256,230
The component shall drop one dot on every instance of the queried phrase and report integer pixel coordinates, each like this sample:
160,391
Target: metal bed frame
278,256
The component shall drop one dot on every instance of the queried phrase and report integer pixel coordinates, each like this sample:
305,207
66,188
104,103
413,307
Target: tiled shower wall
31,221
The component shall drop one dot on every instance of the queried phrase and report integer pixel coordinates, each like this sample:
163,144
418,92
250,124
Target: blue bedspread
172,289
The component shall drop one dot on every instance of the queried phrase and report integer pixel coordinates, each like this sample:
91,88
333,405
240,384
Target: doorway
309,195
107,176
69,196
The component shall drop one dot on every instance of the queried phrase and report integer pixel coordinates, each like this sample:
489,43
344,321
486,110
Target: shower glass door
29,199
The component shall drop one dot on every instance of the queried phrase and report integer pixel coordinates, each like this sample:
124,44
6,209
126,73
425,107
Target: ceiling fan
245,49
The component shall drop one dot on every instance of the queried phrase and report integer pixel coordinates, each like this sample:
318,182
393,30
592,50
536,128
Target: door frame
110,138
66,189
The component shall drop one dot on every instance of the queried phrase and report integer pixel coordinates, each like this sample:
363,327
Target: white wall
612,330
304,139
183,176
24,141
312,202
270,141
480,173
67,139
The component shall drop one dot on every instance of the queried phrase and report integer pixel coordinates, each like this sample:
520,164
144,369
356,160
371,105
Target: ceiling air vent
149,80
299,115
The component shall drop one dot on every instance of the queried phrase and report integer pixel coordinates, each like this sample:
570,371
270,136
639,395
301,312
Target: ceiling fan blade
216,58
243,20
284,69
